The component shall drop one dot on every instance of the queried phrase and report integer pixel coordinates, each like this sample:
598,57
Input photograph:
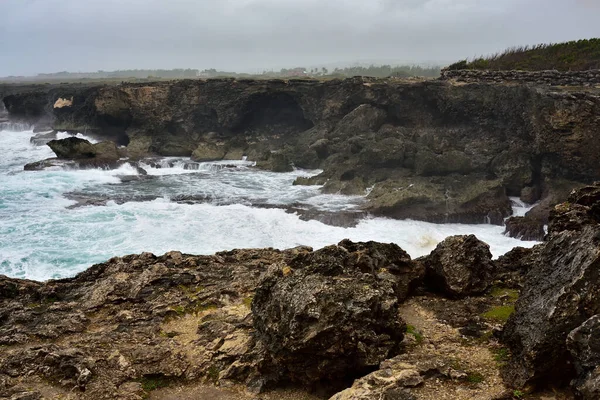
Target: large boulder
584,345
85,153
561,291
333,314
460,266
72,148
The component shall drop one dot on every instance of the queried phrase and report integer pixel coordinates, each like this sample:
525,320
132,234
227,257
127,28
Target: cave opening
273,114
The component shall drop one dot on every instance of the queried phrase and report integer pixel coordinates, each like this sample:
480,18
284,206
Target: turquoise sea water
217,206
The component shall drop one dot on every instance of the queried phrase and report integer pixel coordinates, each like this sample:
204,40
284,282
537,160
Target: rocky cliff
430,150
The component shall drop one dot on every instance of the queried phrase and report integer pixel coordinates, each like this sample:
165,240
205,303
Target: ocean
58,222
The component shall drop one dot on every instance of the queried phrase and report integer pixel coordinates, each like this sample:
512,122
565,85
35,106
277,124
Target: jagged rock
339,305
584,345
395,377
460,266
525,228
581,209
560,293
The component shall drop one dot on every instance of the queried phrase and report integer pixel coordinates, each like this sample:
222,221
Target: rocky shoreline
431,150
350,321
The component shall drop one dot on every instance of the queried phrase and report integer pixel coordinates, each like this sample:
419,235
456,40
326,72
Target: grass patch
500,313
247,302
475,377
213,373
411,330
501,355
180,310
518,394
576,55
499,292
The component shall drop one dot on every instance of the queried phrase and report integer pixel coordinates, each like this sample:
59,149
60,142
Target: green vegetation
500,313
411,330
153,382
475,377
499,292
247,302
518,394
501,355
146,75
180,310
213,373
577,55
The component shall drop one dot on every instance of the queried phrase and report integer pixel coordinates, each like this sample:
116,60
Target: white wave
15,127
64,135
520,208
65,242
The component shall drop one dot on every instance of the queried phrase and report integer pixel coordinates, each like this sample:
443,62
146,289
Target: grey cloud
248,35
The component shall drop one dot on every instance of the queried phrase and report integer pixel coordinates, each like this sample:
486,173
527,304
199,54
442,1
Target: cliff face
430,150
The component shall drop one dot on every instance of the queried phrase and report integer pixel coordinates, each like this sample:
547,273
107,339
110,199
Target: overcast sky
251,35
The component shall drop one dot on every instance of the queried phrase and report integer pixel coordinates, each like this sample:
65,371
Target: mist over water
212,207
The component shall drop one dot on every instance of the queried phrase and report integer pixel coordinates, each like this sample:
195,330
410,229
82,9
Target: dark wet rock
525,228
554,192
559,294
460,266
339,305
584,345
43,164
72,148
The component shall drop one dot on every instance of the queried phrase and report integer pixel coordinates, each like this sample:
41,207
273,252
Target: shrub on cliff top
577,55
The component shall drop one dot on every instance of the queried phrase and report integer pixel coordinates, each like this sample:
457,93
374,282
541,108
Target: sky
254,35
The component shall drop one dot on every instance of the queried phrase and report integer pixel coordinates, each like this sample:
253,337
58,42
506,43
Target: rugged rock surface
429,150
561,291
584,345
333,314
512,267
460,266
180,318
